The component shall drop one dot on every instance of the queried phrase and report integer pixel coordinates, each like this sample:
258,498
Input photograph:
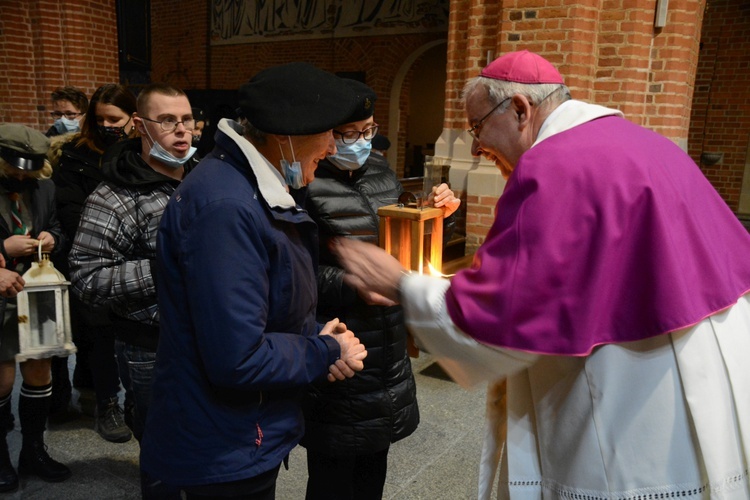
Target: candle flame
434,271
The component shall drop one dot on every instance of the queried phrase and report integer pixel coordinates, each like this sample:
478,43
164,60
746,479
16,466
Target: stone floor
439,461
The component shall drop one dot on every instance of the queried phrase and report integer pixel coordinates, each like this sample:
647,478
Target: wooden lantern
415,237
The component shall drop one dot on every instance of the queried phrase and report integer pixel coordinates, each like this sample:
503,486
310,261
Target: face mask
13,185
196,139
351,156
64,125
293,172
110,135
158,153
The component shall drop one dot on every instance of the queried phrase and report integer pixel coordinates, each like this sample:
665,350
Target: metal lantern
44,313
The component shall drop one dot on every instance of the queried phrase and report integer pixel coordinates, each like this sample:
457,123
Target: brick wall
480,214
720,119
193,64
180,52
608,50
45,44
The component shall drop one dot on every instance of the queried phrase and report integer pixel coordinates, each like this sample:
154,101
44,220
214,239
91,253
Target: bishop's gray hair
553,94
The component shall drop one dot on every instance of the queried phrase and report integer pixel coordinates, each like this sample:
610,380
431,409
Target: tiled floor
439,461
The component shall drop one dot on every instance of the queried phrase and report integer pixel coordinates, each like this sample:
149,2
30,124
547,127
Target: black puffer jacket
378,406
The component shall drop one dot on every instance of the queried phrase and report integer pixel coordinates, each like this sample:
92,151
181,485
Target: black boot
35,460
8,476
33,408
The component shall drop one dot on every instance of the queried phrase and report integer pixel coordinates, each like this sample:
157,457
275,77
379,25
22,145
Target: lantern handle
40,250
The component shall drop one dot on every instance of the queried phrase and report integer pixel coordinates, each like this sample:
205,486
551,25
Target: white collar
271,184
571,114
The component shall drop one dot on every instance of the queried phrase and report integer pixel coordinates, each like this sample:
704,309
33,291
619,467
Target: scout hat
23,147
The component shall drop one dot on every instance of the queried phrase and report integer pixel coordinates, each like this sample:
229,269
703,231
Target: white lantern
44,313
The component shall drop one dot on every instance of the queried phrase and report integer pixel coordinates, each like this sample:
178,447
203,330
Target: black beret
380,142
23,147
365,101
295,99
199,115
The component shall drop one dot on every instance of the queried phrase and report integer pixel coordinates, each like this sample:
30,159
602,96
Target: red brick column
609,53
720,120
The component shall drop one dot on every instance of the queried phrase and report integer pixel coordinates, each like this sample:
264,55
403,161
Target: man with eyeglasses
112,260
611,294
70,105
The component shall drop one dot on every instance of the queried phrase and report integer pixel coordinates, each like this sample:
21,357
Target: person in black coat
350,426
78,173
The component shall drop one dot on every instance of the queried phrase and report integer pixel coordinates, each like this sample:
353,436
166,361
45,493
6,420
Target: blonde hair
43,173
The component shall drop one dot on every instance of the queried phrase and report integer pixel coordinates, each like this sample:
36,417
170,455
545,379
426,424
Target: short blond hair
43,173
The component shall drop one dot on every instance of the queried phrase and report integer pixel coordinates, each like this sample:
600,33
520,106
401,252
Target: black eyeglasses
352,136
170,124
474,131
68,114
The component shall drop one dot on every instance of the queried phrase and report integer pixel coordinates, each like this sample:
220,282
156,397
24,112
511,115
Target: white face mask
293,171
64,125
158,153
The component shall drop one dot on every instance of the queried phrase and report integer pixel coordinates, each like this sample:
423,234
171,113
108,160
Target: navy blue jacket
237,294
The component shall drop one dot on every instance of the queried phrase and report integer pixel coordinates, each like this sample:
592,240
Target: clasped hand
353,352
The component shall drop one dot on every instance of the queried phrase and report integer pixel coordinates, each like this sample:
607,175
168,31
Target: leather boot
35,460
8,476
33,408
110,423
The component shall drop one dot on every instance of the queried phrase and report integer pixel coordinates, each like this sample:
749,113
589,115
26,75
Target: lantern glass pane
42,318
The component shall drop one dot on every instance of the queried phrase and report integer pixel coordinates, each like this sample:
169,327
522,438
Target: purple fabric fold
607,232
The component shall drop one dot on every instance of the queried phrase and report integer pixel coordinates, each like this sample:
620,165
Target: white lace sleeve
467,361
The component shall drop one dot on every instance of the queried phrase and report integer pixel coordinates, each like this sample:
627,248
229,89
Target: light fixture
711,159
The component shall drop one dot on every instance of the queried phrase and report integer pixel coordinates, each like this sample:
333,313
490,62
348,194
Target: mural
252,21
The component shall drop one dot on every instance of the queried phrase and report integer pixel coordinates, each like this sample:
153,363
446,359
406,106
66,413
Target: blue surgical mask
64,125
351,156
158,153
293,171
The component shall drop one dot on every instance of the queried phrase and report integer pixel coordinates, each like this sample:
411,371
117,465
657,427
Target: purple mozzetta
607,232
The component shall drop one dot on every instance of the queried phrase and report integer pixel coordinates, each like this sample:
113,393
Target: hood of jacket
59,142
122,165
